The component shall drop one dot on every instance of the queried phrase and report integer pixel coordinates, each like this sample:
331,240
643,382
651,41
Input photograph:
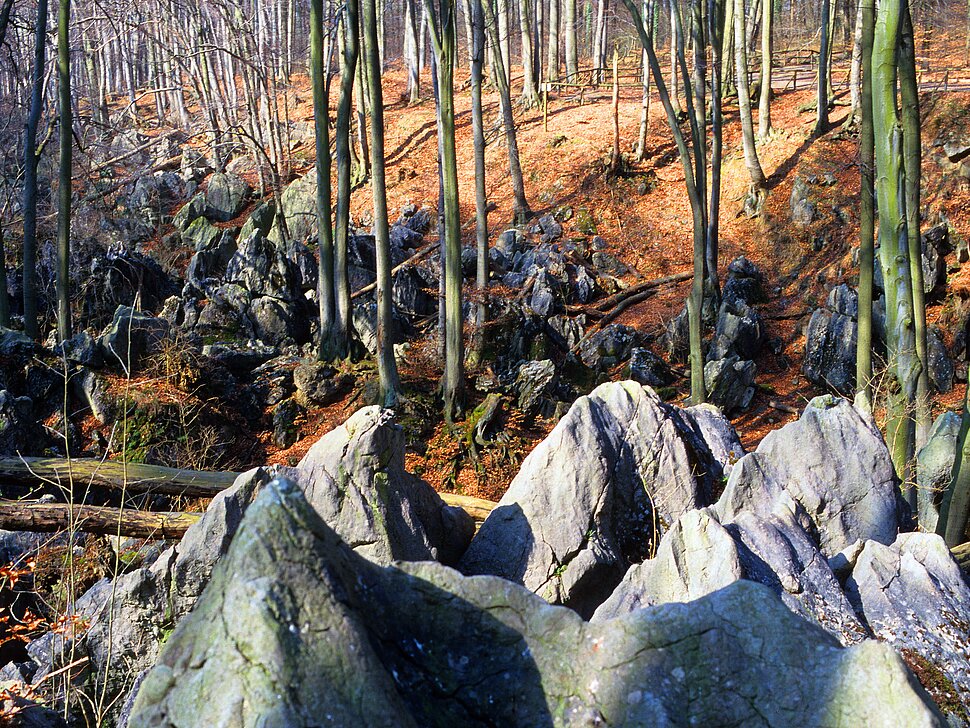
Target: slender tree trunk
505,38
715,32
645,104
521,209
855,74
674,52
822,97
572,47
321,110
411,51
764,106
386,366
481,201
552,62
341,338
912,162
696,300
894,247
866,206
4,296
30,173
759,185
530,94
727,55
443,41
64,185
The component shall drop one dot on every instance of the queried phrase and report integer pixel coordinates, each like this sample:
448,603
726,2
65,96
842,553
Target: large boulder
298,207
263,268
834,463
132,336
730,383
19,430
594,497
914,597
934,468
319,635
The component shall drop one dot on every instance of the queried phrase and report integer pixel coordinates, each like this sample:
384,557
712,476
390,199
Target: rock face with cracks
354,477
588,502
295,629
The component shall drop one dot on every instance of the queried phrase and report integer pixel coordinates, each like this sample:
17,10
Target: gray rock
320,635
940,365
545,298
834,462
803,209
189,213
262,268
83,349
15,344
132,336
415,292
298,205
914,597
260,220
94,391
743,286
934,468
211,258
935,244
738,333
19,712
715,434
592,498
354,477
225,315
730,383
285,430
317,384
276,322
831,340
609,347
226,196
550,227
200,234
584,287
647,368
240,358
534,382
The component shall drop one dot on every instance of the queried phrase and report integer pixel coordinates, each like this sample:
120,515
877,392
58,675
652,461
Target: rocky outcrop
319,634
594,496
830,342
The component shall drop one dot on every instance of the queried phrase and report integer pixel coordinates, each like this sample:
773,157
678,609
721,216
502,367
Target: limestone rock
319,635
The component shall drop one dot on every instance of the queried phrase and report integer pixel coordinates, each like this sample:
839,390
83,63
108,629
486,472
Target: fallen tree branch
418,254
617,298
52,517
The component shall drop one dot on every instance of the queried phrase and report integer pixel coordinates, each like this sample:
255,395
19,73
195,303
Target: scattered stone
285,430
738,332
730,383
940,365
609,347
550,228
803,209
831,341
189,213
131,337
534,382
647,368
317,384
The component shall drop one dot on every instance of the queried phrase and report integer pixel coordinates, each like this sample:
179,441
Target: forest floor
645,217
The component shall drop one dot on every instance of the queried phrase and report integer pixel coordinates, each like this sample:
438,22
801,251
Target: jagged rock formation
297,630
589,501
355,478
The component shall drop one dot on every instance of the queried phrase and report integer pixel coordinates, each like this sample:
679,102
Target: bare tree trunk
764,106
645,104
530,93
321,110
866,205
822,97
572,47
505,38
520,204
855,75
411,51
386,366
64,190
481,200
552,62
674,52
30,173
759,185
342,322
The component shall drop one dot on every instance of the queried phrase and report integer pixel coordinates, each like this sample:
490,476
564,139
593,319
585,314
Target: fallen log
140,478
52,517
132,477
617,298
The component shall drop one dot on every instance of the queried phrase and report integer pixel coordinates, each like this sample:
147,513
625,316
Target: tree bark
764,105
64,184
128,522
326,290
386,365
530,94
955,507
30,173
894,248
572,47
481,200
822,95
552,61
759,185
866,206
348,65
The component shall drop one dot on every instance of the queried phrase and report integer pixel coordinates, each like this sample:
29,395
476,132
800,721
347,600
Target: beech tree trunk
764,105
866,205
